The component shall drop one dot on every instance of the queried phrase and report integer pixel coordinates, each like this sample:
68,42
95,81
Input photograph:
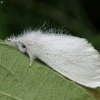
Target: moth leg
31,60
31,56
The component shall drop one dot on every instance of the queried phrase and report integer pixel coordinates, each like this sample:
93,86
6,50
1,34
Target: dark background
78,17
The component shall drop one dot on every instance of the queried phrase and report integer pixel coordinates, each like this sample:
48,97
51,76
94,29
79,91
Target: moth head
17,44
22,47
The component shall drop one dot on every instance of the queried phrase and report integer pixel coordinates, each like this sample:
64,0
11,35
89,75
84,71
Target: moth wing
79,62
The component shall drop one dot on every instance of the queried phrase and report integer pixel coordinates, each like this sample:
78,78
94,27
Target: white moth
71,56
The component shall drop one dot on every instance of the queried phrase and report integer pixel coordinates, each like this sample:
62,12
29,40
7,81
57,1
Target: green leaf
39,82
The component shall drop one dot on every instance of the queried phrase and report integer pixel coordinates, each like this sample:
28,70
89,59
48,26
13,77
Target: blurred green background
79,17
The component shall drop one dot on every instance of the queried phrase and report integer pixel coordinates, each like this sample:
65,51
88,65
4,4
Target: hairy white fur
71,56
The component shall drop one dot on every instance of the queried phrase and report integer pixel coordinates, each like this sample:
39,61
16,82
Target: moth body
71,56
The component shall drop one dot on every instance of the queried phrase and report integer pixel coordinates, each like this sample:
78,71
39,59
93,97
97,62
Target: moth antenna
2,42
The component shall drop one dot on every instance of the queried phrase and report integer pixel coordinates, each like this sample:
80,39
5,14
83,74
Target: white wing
73,57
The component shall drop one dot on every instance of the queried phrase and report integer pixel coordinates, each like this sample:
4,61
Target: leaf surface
18,81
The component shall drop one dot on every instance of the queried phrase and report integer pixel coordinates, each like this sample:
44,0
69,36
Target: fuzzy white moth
71,56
